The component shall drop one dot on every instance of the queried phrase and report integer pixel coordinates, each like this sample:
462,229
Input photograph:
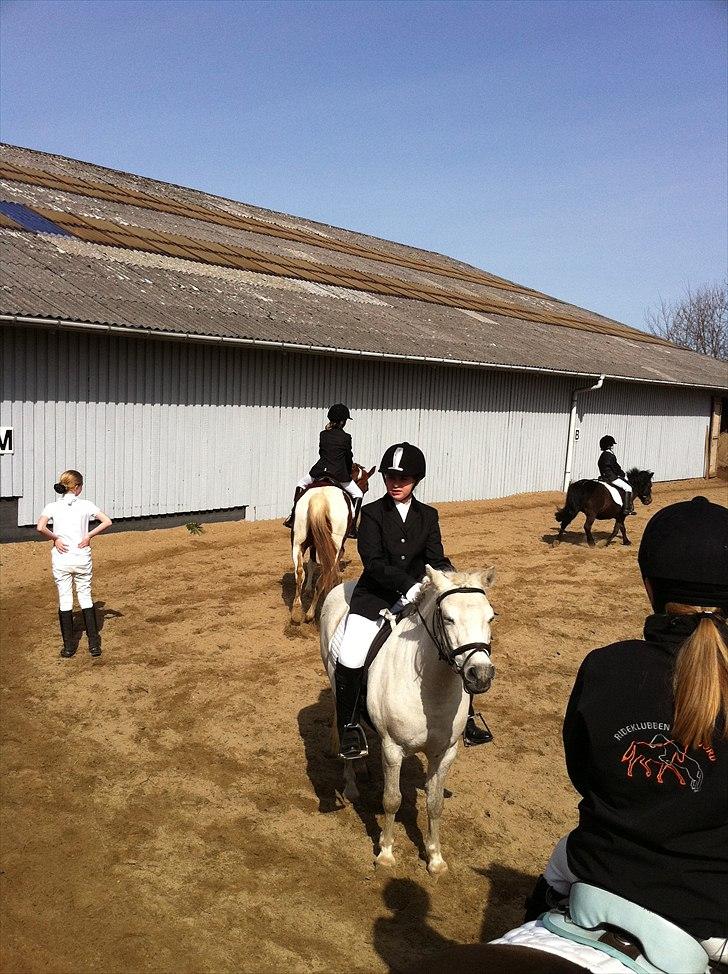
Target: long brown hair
700,679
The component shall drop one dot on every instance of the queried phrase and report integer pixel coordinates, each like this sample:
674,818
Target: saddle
639,939
618,495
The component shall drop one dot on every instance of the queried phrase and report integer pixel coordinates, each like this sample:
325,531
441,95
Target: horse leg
392,756
623,529
297,608
613,535
587,530
437,770
311,611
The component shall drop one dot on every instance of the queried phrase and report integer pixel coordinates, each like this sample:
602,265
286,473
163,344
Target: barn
181,349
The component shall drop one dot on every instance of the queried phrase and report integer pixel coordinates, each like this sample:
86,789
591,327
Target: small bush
194,527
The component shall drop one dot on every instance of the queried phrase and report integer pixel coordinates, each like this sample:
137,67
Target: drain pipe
572,428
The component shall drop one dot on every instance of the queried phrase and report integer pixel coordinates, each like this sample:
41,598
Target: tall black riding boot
542,899
629,504
352,739
474,735
94,640
352,532
288,523
65,617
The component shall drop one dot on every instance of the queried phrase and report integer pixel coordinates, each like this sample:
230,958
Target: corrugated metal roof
134,262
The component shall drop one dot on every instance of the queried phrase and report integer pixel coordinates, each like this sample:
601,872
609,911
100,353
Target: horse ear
487,577
436,577
372,471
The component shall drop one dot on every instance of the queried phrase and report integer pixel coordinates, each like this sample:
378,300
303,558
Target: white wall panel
163,427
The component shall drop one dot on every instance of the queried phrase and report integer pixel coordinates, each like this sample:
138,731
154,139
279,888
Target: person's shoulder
89,507
624,652
426,509
374,508
49,509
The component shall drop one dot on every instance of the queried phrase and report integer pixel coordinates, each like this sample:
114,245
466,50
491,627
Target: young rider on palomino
335,461
646,741
398,536
611,472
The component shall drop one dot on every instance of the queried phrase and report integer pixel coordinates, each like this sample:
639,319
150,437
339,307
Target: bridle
440,638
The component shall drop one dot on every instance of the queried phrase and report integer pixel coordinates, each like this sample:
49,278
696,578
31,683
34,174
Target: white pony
418,686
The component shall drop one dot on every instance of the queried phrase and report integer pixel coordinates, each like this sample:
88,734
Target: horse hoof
385,859
626,542
555,543
436,867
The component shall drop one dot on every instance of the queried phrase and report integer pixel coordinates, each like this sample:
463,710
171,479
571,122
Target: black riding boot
65,617
288,523
94,640
474,735
352,532
542,899
629,504
352,740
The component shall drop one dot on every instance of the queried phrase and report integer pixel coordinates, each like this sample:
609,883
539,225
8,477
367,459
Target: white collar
403,507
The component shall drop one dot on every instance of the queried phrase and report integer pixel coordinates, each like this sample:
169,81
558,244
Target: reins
439,637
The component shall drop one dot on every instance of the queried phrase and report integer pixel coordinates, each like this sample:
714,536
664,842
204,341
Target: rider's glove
412,593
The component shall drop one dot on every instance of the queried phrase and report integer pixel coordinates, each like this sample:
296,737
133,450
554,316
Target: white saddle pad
337,639
534,934
612,490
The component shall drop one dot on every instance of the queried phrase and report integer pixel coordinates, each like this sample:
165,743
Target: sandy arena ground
170,807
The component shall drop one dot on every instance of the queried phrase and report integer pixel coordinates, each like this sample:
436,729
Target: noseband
441,639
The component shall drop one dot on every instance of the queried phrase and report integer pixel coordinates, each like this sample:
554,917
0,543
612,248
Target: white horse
320,526
418,688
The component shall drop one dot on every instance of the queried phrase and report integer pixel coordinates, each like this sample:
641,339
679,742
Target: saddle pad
534,934
337,639
616,496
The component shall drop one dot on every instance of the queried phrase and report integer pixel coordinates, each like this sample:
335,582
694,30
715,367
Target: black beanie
684,553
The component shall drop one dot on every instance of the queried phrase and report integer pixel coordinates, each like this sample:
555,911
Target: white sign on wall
6,439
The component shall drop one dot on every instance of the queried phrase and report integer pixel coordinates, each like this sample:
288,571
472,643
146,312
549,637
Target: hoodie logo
660,755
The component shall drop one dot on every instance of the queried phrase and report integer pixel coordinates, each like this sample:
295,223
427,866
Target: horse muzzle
477,677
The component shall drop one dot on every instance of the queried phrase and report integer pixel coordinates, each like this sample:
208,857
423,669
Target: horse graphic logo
661,755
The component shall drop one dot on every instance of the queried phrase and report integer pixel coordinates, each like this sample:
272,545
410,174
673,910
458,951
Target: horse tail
570,509
326,553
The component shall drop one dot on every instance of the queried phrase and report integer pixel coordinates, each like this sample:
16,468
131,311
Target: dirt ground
171,808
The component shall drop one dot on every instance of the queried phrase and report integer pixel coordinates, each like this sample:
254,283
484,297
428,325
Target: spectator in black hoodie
645,740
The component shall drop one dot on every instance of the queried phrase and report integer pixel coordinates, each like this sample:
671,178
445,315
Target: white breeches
65,574
623,484
357,639
350,488
560,877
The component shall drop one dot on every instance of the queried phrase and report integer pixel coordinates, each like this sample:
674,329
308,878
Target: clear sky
576,147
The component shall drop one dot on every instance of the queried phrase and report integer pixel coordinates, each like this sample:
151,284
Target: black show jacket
335,456
609,469
394,553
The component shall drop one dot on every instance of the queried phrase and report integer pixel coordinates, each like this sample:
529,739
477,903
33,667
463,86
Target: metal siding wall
169,427
655,428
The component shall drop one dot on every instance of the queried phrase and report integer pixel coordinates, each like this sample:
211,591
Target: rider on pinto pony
334,463
611,472
398,537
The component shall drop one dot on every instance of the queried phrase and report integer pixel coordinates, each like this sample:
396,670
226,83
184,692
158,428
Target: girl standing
71,556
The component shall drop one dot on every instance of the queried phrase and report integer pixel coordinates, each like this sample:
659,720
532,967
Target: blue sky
576,147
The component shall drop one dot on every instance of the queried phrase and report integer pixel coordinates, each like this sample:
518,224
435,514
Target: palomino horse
319,527
418,685
594,500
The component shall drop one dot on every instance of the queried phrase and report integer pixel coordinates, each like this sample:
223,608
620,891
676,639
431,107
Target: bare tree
697,320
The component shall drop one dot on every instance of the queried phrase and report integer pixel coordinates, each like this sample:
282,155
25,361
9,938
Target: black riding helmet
403,459
338,413
607,442
684,553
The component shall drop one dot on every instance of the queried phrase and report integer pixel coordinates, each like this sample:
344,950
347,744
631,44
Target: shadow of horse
102,614
505,903
576,539
405,937
326,774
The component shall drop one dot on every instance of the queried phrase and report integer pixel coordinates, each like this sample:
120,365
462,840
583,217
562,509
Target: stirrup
486,733
362,743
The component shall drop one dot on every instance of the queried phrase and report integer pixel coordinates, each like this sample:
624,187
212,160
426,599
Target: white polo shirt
70,516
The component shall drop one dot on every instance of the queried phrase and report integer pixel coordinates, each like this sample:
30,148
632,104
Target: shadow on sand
325,772
102,614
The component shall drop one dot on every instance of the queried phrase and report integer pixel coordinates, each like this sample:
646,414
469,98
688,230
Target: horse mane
458,579
639,478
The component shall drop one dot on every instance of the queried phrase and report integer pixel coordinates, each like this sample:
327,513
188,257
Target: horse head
459,624
360,475
641,481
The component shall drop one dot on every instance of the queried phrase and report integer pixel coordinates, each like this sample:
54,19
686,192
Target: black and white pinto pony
593,499
418,688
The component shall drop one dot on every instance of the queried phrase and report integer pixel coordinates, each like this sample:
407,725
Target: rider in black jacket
645,738
611,472
398,536
335,462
